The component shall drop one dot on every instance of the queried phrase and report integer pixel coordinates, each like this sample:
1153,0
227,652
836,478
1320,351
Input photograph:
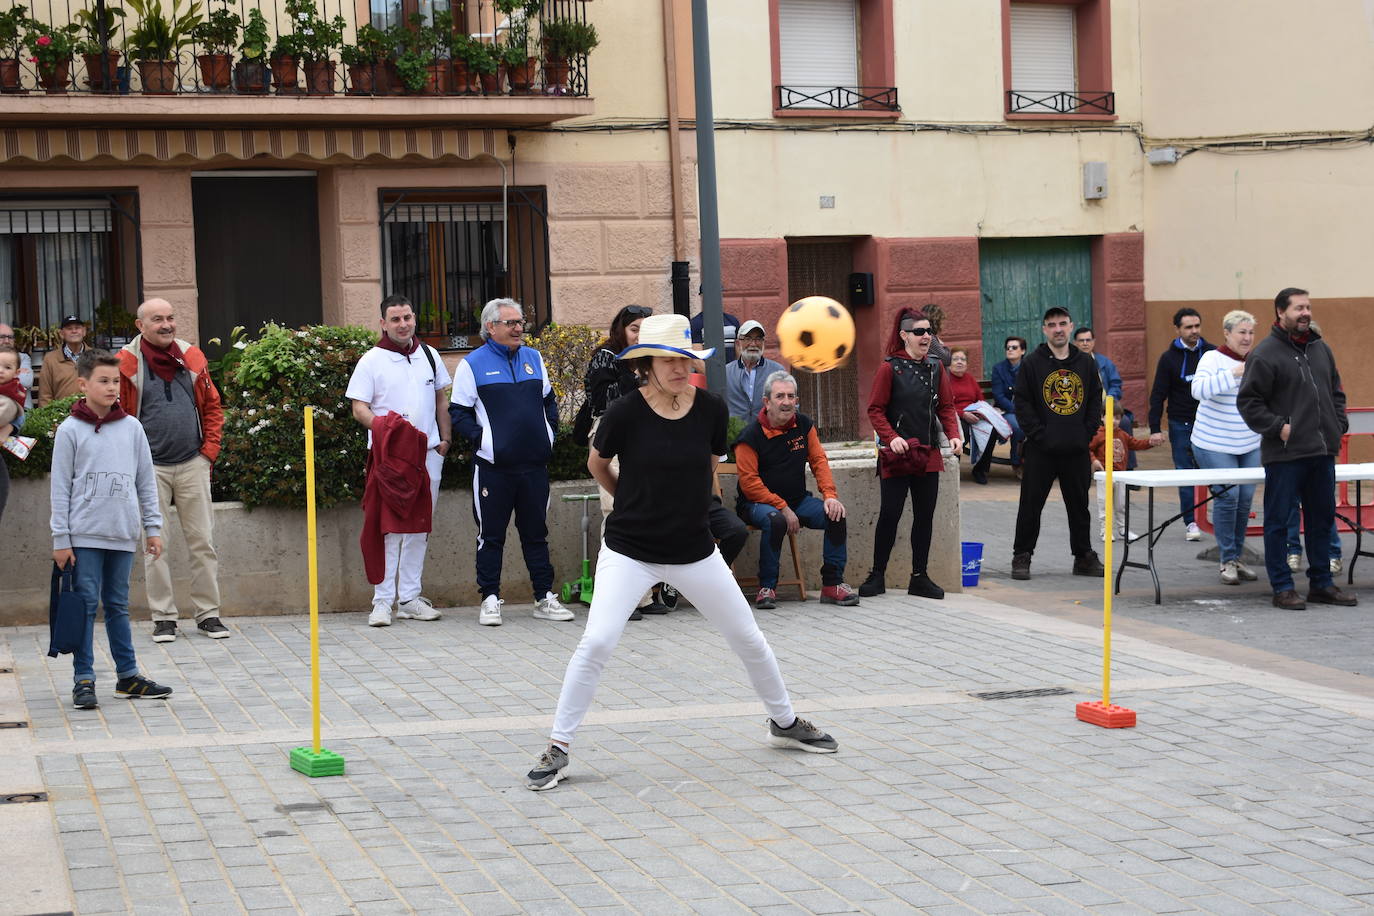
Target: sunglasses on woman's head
637,311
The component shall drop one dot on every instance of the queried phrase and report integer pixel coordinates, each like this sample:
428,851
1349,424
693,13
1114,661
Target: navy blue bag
66,613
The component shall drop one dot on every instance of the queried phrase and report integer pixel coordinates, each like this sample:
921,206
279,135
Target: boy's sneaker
840,594
417,608
1246,573
165,631
547,769
1230,573
1295,561
83,695
139,687
1192,532
380,616
214,628
490,613
766,599
1336,566
802,735
550,608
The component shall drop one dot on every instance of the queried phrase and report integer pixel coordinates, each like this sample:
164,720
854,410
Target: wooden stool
748,582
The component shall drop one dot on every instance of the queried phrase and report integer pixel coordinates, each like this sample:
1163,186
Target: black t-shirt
663,497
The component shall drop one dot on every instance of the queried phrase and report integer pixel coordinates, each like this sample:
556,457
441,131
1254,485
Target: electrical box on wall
1094,180
861,289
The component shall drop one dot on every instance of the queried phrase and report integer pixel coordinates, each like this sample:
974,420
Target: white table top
1199,477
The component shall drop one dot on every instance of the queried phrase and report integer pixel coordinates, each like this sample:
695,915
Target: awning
136,145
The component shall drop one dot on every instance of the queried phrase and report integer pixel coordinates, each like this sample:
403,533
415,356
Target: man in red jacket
165,383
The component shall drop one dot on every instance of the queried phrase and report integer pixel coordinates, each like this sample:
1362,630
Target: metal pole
713,333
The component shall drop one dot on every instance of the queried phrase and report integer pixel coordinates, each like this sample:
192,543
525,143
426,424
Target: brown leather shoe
1331,595
1288,600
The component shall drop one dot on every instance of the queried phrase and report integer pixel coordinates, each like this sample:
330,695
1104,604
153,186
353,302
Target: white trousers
1118,508
405,553
710,587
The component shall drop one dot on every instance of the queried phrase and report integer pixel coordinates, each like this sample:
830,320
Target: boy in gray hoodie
104,497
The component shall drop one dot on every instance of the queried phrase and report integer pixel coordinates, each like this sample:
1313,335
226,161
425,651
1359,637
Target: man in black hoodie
1058,400
1174,383
1291,395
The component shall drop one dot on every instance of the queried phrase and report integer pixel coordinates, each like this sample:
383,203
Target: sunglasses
919,332
637,311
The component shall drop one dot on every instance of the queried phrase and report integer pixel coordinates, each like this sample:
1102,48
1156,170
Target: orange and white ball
816,334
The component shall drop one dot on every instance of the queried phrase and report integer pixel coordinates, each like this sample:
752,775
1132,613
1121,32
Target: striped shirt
1218,427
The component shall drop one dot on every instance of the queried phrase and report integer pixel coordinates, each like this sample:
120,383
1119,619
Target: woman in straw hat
667,437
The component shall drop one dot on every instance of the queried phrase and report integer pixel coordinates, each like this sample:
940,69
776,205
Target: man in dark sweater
1059,404
772,455
1291,395
1174,383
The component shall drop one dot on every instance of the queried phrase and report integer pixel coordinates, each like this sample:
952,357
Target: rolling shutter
818,43
1042,48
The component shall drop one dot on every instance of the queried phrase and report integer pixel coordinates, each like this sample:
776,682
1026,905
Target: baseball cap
72,319
750,325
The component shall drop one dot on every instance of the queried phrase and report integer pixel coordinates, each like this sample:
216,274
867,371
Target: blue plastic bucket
973,562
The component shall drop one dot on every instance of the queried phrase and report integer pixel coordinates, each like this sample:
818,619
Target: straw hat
665,335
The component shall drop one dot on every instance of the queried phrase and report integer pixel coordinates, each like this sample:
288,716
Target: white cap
750,325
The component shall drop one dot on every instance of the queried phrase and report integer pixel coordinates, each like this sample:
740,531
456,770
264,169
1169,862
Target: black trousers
727,528
1039,471
892,493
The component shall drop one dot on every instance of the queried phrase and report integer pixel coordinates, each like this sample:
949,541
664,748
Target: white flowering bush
41,423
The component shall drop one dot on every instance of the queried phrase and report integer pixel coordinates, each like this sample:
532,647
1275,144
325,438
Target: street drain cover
1021,694
20,798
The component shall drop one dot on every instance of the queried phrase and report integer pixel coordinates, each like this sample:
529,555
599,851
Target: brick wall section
1119,313
611,239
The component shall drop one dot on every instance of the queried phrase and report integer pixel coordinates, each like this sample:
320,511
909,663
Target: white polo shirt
389,382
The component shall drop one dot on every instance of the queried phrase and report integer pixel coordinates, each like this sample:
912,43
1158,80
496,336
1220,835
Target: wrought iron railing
839,98
295,47
1020,101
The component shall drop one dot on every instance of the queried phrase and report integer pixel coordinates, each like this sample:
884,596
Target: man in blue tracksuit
1174,383
504,405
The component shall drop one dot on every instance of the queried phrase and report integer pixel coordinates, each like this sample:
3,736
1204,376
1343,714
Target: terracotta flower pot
437,81
522,77
491,83
250,76
9,75
159,77
363,79
319,77
216,70
55,79
390,79
556,75
464,81
99,80
284,75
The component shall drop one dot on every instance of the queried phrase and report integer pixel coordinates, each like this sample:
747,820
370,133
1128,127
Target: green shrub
566,349
41,423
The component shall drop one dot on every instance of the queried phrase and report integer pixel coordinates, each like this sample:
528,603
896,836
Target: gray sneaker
547,769
802,735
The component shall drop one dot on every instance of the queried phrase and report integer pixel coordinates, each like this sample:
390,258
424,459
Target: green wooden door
1020,278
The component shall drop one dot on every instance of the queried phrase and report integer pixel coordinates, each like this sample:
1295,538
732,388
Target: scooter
581,588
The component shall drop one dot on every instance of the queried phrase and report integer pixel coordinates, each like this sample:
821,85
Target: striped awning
135,145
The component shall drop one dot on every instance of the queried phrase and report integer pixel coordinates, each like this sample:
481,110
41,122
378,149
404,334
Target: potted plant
157,40
483,60
362,59
316,39
102,58
441,32
217,36
13,24
284,65
52,49
250,73
563,40
520,66
463,79
414,57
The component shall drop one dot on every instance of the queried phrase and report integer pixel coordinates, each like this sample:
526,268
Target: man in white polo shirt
402,375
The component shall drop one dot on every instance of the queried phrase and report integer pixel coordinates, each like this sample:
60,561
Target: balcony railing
296,48
1020,101
838,98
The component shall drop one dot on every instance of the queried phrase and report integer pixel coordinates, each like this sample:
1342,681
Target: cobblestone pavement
1241,790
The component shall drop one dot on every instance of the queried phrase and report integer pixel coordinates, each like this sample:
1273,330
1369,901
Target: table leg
1125,541
1154,573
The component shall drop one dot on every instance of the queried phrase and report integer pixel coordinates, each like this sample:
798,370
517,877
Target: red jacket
132,372
396,498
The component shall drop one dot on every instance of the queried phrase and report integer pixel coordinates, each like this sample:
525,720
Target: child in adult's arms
104,496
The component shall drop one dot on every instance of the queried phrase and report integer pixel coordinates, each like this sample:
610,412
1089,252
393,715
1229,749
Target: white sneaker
550,608
1194,533
1230,575
380,616
417,608
490,614
1336,566
1246,573
1295,561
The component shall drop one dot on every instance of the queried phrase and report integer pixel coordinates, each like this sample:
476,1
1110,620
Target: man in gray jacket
744,376
1291,395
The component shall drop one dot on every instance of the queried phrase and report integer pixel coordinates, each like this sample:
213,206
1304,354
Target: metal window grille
839,98
450,252
1061,102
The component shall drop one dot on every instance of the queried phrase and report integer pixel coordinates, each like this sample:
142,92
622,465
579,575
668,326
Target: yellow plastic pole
314,583
1110,455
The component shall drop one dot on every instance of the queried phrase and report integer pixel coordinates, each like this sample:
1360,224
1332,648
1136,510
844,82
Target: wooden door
1021,278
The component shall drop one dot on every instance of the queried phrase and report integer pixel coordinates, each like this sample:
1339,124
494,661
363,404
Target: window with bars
452,251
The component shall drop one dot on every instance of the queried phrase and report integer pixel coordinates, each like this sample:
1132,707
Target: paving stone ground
1241,790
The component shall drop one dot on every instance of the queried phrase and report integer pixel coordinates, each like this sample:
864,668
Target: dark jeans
496,494
1181,442
892,493
810,513
102,579
1311,482
1039,472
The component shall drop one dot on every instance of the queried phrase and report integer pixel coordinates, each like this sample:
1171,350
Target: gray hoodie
104,489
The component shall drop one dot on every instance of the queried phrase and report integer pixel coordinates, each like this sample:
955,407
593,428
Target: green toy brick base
325,763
